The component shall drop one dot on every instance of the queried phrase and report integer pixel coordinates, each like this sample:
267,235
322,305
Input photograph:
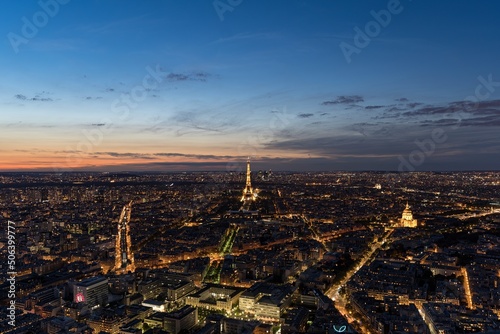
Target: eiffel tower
248,194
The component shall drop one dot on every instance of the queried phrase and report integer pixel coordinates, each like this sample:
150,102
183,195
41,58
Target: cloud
44,99
413,104
22,97
24,125
201,76
452,114
158,155
177,77
194,76
344,99
340,146
403,99
225,166
466,109
484,121
190,121
93,97
388,143
221,118
126,155
441,122
200,156
305,115
470,130
373,107
107,27
109,90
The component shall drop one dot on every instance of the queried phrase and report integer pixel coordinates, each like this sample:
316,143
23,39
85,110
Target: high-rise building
92,291
248,194
124,258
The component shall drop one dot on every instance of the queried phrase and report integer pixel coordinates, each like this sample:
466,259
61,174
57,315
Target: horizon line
233,171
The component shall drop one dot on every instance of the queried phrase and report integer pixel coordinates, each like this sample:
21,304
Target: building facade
92,291
407,218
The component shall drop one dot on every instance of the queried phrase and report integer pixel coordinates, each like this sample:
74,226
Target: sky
293,84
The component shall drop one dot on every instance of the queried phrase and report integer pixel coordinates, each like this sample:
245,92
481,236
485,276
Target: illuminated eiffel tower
124,258
248,193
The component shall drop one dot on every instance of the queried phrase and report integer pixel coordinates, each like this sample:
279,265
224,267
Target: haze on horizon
295,85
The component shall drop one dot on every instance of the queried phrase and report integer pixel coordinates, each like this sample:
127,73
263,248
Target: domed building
407,218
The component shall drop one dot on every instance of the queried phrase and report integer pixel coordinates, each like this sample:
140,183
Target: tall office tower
248,194
124,259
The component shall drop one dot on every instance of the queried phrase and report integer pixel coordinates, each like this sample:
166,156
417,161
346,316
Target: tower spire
248,194
249,173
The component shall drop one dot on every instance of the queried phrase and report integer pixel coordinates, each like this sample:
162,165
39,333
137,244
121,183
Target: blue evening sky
237,78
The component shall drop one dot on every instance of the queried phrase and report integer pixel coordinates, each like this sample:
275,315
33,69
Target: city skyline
167,86
359,252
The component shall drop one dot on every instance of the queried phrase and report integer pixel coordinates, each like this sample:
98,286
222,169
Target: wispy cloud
413,104
116,26
249,36
481,113
344,99
221,118
160,155
463,113
193,76
22,97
